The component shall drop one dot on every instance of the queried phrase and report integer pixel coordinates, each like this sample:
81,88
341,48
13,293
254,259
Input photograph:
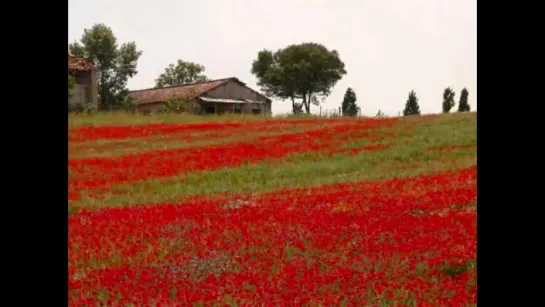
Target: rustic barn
228,95
86,89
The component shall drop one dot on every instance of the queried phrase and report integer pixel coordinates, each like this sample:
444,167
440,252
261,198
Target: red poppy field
274,212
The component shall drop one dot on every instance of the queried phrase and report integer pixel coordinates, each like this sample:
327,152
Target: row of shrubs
129,106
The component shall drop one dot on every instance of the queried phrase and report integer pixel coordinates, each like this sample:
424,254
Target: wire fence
338,112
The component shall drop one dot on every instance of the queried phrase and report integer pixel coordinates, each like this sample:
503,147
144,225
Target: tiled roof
79,64
183,91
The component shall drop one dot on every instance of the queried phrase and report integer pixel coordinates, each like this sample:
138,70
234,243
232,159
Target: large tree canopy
306,71
181,73
115,64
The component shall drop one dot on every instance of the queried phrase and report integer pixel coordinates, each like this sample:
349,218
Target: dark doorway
209,110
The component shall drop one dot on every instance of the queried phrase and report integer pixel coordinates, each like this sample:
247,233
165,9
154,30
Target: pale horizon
389,47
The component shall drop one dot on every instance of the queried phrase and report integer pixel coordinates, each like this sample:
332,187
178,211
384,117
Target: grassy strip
264,178
121,118
308,169
120,147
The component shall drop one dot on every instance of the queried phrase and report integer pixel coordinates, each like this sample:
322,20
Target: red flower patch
358,244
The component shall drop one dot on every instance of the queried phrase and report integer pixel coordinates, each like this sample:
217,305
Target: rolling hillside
272,211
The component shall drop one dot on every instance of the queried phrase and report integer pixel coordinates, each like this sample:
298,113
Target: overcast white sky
390,47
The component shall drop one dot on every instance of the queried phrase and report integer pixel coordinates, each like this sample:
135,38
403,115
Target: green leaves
115,65
181,73
173,105
448,100
305,71
411,107
463,105
349,106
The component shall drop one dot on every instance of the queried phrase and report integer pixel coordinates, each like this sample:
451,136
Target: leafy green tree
181,73
272,79
306,71
129,105
411,107
115,64
463,105
174,105
448,99
349,106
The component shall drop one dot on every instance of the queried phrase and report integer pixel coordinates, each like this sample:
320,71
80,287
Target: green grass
122,118
409,156
106,148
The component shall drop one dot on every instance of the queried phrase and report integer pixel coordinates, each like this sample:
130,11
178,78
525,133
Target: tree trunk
306,103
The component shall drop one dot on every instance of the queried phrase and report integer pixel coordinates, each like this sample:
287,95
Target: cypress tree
448,100
349,106
463,105
411,107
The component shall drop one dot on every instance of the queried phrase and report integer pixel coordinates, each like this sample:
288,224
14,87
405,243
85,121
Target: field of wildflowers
273,212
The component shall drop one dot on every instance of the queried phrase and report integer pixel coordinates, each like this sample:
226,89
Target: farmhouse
86,89
228,95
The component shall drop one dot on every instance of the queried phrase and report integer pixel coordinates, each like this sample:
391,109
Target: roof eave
80,70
